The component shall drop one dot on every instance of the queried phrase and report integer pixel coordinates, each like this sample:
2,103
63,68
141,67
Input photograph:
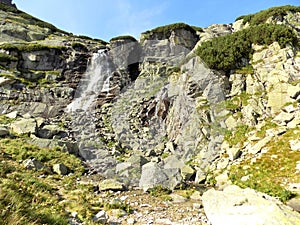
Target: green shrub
28,47
230,52
264,15
125,37
164,31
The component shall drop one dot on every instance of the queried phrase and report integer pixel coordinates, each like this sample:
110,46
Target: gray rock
12,115
24,126
295,145
3,131
153,176
259,145
176,198
173,162
101,217
49,131
234,153
245,206
294,204
31,164
187,172
60,169
200,176
111,184
283,118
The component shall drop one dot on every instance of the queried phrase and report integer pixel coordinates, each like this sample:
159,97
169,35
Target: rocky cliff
182,107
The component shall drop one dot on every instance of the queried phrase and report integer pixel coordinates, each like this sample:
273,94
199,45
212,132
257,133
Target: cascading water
95,81
83,113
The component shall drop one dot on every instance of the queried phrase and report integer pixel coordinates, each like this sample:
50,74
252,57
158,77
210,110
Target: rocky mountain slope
86,125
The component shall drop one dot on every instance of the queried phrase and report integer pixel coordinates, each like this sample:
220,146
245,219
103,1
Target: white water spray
94,81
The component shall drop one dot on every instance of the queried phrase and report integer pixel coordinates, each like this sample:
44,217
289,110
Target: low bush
165,31
233,51
126,37
264,15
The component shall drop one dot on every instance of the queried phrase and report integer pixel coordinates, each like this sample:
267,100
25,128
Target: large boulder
24,126
237,206
153,175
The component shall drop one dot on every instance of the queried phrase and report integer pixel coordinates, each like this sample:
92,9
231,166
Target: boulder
31,164
283,118
49,131
259,145
295,145
60,169
111,184
3,131
236,206
153,176
101,217
24,126
12,115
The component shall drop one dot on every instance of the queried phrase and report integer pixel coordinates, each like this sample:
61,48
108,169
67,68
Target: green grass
238,136
40,197
248,69
32,20
5,120
264,15
273,170
29,47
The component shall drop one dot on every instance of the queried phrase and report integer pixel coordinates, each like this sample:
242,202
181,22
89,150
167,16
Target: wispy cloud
135,18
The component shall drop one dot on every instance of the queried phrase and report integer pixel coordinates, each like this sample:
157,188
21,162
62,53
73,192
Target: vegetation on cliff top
29,47
32,20
125,37
264,15
234,50
167,29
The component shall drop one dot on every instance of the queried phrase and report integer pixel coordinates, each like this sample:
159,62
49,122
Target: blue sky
105,19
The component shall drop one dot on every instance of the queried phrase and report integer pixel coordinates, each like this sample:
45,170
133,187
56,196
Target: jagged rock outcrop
154,114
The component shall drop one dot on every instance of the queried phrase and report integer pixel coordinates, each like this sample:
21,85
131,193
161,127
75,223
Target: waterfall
94,81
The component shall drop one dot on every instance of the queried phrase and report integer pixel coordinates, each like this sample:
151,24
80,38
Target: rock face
236,206
151,112
8,2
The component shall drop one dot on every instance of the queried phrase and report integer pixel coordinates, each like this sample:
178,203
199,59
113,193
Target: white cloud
135,18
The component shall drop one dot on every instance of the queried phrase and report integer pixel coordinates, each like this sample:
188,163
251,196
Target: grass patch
4,120
238,136
165,31
273,170
245,70
21,150
32,20
29,47
125,37
264,15
159,191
